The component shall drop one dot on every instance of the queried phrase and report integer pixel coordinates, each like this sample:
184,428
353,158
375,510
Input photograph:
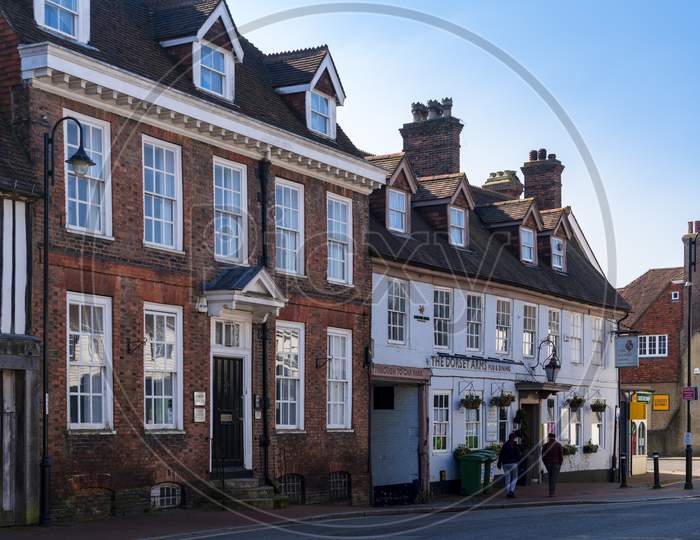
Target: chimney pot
447,107
500,173
434,109
419,111
542,179
552,156
533,155
492,175
542,154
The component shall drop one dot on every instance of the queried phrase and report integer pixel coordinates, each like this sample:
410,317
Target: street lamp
80,163
689,285
551,368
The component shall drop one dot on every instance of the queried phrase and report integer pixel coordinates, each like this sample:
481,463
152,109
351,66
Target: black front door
227,448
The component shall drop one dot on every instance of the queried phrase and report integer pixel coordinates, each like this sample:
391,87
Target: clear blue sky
626,73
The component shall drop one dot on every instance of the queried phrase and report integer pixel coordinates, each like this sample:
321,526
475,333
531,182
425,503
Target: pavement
674,465
195,522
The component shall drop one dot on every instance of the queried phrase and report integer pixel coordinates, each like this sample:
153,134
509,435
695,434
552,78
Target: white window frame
524,245
574,418
405,287
446,407
107,369
300,233
452,227
675,296
508,328
448,319
601,428
229,73
106,217
347,420
477,424
554,330
479,336
404,212
530,332
597,345
347,244
178,211
561,254
645,348
178,403
82,23
299,327
332,131
576,337
243,240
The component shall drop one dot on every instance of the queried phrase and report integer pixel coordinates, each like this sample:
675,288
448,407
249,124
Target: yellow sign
661,402
638,411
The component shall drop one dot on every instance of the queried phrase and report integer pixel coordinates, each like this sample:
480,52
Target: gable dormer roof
300,70
506,213
555,221
395,166
181,21
444,188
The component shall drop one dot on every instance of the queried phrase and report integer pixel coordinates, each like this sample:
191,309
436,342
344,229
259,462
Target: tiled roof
388,162
489,259
483,196
181,18
122,36
438,187
234,278
550,218
644,290
16,172
290,68
504,211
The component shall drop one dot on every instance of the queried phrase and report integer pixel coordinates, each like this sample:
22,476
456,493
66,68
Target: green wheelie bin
474,468
489,457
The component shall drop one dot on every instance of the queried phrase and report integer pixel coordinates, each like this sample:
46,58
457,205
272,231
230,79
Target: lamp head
80,162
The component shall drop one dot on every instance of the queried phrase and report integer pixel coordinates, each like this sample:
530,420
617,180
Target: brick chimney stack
542,179
504,182
431,141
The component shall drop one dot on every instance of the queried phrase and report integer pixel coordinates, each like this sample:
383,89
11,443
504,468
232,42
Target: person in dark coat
552,457
508,460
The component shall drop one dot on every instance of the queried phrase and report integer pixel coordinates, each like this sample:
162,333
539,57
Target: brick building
209,277
474,288
657,301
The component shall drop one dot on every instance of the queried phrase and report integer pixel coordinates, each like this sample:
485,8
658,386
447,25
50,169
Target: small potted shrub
471,401
575,402
494,447
590,448
461,450
504,400
569,449
598,405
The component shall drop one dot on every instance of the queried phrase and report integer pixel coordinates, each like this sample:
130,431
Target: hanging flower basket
504,400
471,401
590,448
569,449
575,402
598,405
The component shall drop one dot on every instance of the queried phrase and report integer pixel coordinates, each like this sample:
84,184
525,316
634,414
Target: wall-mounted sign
200,415
690,393
466,363
661,402
492,424
200,399
643,397
626,352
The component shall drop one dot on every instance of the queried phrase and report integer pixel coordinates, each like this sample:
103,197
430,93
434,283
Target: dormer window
527,245
70,18
458,228
320,113
213,69
558,253
397,211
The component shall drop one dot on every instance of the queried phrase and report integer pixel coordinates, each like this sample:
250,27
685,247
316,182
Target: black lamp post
80,163
551,368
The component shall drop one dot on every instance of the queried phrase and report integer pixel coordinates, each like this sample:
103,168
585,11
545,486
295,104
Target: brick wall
131,274
542,180
433,145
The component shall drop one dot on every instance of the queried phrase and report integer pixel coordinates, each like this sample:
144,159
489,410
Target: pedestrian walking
552,457
508,460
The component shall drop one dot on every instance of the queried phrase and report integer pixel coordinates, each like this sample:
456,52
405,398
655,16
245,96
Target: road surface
678,519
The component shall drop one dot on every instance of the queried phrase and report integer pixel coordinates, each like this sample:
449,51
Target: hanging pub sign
626,352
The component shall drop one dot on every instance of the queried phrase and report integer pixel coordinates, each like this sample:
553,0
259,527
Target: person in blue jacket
508,460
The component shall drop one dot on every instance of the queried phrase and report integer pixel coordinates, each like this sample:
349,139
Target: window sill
340,430
291,431
77,431
96,236
237,262
164,249
341,283
290,274
164,431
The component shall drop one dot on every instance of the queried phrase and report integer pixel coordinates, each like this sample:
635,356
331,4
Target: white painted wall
589,381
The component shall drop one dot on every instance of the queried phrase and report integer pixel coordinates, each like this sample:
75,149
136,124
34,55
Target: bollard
657,482
623,470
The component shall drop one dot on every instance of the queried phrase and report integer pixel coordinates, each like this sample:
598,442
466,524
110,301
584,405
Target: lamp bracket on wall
131,348
464,386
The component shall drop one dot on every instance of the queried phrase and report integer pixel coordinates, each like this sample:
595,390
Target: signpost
690,393
626,352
